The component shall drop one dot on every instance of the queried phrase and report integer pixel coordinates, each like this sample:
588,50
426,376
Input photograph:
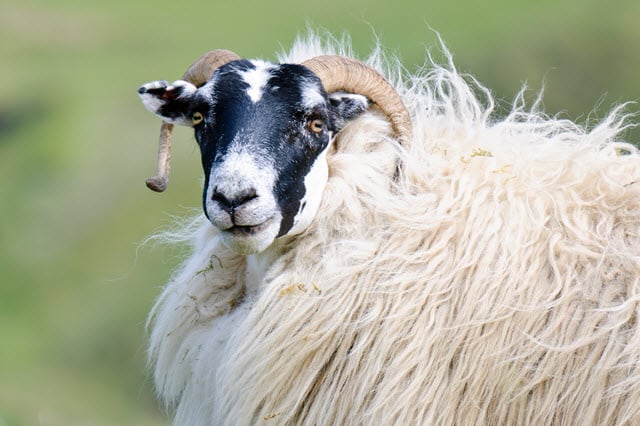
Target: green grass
76,146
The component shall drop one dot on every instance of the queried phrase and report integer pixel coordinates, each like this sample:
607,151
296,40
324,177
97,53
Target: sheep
459,268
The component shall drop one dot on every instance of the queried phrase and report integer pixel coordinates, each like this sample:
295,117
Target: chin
250,240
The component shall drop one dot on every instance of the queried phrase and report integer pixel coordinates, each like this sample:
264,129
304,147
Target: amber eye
316,125
196,118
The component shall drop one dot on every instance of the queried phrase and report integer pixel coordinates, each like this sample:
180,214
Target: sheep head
263,130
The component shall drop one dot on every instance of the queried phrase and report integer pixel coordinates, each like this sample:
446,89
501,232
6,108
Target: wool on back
485,272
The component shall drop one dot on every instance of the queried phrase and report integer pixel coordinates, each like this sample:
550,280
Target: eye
316,125
196,118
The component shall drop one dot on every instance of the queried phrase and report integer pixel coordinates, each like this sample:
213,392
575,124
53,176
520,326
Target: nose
229,202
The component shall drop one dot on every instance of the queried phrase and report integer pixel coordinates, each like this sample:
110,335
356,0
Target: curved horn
201,70
197,74
339,73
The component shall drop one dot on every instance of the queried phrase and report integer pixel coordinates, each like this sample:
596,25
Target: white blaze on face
314,184
257,79
311,96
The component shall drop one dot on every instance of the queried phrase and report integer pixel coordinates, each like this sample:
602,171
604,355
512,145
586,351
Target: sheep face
263,130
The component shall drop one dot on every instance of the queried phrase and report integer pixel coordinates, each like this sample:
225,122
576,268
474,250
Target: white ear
171,102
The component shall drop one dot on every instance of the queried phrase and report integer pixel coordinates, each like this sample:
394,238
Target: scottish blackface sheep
360,262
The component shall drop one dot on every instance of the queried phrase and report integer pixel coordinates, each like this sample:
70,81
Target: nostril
219,198
229,203
245,196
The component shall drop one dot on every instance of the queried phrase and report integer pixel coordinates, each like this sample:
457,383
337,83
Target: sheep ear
345,107
171,102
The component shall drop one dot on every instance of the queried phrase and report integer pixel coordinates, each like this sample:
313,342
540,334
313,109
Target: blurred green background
76,146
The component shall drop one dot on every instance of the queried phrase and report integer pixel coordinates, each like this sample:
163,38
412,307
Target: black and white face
263,130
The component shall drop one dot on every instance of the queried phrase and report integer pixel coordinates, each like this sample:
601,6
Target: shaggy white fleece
493,278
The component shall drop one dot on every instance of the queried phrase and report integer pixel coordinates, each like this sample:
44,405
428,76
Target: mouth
249,230
250,239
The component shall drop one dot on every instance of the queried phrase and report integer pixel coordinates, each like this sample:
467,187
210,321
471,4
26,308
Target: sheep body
493,280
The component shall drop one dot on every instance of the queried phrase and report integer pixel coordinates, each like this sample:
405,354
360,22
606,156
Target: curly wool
491,278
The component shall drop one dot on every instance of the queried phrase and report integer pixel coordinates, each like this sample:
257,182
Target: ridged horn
339,73
197,74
